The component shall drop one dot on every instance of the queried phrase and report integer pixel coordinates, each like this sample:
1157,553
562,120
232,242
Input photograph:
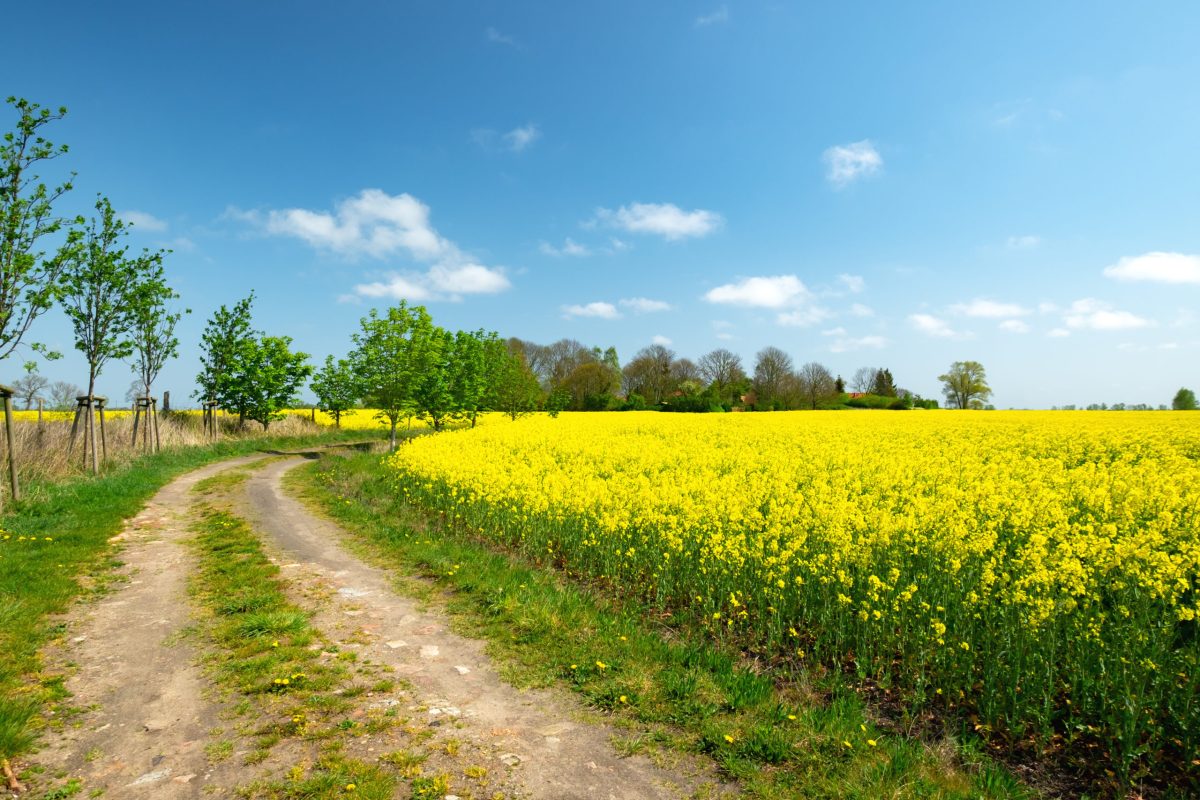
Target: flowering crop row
1035,572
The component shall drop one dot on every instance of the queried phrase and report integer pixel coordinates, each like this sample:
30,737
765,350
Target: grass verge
289,683
50,543
671,689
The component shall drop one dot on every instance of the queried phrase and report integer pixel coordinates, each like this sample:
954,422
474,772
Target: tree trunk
393,437
91,420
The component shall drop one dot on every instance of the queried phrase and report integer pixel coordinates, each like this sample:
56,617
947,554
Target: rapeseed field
1030,575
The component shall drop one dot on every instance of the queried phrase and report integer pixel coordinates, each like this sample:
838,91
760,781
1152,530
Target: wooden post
313,414
137,414
166,402
100,401
154,417
75,424
7,394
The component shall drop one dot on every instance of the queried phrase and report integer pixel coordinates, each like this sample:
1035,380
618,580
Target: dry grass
43,451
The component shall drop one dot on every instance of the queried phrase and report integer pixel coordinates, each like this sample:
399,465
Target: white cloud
718,16
665,219
785,293
932,326
569,248
860,310
1047,308
834,332
496,36
779,291
142,221
380,225
1014,326
1058,333
1157,266
1026,242
1097,315
520,138
598,310
660,339
854,283
618,246
848,162
989,309
643,305
860,343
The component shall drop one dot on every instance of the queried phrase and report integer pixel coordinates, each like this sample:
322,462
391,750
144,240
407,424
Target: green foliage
965,385
226,343
153,330
270,378
28,279
390,354
104,291
883,385
515,389
1185,400
336,388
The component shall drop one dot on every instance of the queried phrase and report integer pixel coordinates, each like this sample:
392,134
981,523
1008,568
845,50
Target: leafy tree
649,374
591,386
433,347
29,388
515,389
28,279
883,384
473,362
816,384
153,331
965,385
397,358
1185,400
227,342
270,377
336,388
839,385
101,288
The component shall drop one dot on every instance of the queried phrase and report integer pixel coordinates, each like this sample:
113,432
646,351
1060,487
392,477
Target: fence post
7,394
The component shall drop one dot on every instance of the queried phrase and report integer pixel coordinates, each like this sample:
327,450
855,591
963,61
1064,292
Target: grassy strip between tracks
668,689
55,547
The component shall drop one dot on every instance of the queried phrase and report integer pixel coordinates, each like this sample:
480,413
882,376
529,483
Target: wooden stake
154,416
12,442
100,401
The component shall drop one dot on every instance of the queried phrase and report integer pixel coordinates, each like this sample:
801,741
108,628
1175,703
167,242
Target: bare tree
772,367
721,367
863,380
649,373
816,384
29,388
63,394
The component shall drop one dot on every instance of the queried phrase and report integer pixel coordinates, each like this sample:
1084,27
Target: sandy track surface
146,710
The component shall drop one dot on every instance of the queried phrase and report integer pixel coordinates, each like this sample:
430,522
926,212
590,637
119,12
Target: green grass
50,543
809,735
264,652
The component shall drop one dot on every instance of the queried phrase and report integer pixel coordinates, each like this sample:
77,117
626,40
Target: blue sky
886,184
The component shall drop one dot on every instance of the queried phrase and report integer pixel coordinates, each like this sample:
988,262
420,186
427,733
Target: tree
649,374
29,388
591,386
393,355
772,370
153,331
28,279
1185,400
863,380
516,391
433,349
473,362
227,342
884,385
965,385
336,388
816,384
270,378
63,394
101,287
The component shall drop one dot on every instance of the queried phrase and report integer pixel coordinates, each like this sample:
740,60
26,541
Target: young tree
472,364
516,390
101,287
433,350
153,331
29,388
28,278
965,385
269,379
390,356
336,388
226,343
1185,400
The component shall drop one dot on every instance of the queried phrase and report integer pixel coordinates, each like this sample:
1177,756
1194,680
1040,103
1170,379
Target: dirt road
151,716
